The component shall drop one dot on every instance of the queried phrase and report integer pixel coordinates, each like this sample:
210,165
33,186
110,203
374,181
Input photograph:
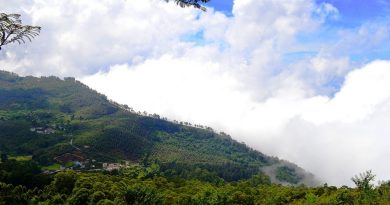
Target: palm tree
194,3
12,30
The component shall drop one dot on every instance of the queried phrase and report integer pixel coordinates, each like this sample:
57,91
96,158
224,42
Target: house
111,167
48,131
42,130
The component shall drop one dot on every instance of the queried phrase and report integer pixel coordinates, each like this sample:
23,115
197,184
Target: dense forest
23,184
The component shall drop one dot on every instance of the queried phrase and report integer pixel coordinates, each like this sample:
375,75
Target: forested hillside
59,122
63,143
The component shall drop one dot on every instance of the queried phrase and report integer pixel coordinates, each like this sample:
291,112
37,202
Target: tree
364,183
12,30
3,157
64,182
194,3
364,180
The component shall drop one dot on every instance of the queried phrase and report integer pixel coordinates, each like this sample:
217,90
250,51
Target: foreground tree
189,3
364,183
364,180
12,30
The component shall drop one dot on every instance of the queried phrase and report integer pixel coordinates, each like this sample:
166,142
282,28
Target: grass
21,158
53,167
69,164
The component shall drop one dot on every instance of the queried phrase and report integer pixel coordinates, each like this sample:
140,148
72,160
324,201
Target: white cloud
363,39
181,88
82,37
326,10
321,134
359,97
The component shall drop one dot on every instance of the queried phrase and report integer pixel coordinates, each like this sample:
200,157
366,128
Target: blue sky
222,5
352,12
352,15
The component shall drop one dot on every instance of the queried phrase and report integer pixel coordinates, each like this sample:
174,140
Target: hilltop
62,123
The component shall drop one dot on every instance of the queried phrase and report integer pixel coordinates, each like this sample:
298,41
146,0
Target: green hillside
57,121
63,143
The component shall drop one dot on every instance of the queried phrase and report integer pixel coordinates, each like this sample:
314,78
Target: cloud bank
268,74
334,138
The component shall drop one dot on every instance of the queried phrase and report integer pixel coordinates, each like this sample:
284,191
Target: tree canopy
12,30
193,3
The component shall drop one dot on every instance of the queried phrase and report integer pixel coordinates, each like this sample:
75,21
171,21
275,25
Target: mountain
58,121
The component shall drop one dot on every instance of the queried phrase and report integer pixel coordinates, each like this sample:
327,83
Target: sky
304,80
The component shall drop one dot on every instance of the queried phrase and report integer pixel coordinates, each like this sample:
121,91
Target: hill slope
52,119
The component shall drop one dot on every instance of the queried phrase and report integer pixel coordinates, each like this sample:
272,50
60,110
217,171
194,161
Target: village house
42,130
111,167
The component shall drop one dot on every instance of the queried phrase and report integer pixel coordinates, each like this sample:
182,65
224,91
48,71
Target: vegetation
52,167
12,30
287,174
49,125
193,3
21,158
56,121
140,184
63,143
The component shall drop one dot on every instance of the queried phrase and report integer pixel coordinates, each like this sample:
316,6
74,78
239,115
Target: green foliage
3,157
287,174
209,172
259,179
64,182
26,173
21,158
106,132
52,167
311,198
142,195
98,188
364,182
12,195
57,199
80,197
